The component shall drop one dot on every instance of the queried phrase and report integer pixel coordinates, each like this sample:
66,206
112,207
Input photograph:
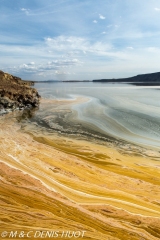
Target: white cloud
27,68
101,16
31,63
130,48
67,53
94,21
25,10
44,67
104,32
76,44
57,72
63,63
157,9
62,41
153,49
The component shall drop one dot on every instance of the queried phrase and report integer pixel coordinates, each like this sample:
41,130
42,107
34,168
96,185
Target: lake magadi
85,164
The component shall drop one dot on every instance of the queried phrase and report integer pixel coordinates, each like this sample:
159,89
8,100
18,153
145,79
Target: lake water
121,111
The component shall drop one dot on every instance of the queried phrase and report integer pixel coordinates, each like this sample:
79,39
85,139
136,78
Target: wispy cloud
157,9
130,48
76,44
26,11
95,21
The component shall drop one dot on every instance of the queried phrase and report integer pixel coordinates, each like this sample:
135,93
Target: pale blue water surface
123,111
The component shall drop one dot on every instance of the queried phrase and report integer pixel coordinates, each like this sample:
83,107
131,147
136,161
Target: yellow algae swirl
52,182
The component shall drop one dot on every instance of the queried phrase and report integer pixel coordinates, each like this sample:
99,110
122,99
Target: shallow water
122,111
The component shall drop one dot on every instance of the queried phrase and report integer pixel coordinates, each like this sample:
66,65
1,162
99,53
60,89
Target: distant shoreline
149,79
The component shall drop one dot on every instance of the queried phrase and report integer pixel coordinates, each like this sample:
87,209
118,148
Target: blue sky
79,39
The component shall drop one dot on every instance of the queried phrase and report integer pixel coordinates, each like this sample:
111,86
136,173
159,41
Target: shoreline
68,124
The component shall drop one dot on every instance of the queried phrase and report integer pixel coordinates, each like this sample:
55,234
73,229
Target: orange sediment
49,182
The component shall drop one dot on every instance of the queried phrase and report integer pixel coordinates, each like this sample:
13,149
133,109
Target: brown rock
16,93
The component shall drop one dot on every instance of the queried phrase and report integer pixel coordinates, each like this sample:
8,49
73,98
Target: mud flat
51,182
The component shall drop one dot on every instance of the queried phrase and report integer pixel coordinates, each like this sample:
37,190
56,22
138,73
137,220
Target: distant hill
142,78
77,81
46,81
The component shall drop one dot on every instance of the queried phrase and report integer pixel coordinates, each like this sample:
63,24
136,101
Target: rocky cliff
16,93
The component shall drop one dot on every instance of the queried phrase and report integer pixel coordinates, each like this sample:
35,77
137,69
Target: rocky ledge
16,93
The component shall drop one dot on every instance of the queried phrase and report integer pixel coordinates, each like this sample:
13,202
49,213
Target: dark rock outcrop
16,93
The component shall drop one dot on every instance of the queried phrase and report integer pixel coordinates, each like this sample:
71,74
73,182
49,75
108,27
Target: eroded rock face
16,93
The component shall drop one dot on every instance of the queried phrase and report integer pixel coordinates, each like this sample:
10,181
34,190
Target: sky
79,39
